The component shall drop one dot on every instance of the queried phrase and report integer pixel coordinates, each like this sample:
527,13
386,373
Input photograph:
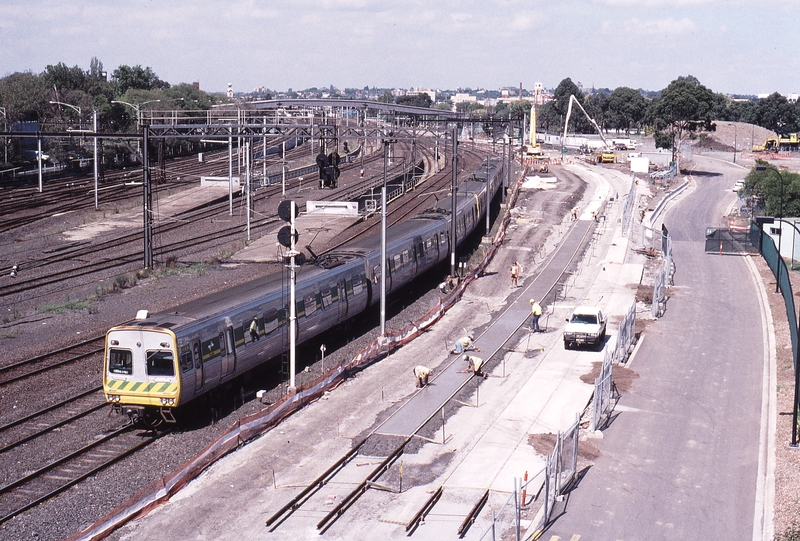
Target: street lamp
75,107
136,107
94,130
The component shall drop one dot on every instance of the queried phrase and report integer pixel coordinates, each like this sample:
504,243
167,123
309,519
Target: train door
342,299
198,367
229,355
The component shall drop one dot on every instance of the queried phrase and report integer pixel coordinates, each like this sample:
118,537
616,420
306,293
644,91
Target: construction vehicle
779,143
572,99
533,149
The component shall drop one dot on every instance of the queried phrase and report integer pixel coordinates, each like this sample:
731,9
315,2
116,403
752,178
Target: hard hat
471,337
533,301
466,357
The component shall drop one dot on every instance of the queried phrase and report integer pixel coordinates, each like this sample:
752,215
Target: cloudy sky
733,46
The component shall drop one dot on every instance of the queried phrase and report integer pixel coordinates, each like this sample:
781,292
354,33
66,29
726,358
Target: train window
300,308
283,316
120,361
310,302
376,273
327,296
160,363
186,358
395,262
334,293
270,320
357,285
197,358
428,244
406,257
221,344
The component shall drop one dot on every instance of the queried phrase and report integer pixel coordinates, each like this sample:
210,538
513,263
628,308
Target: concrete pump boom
596,127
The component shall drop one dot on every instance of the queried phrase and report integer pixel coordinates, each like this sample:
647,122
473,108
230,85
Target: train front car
140,375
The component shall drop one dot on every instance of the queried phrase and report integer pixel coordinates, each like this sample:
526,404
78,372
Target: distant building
461,97
230,91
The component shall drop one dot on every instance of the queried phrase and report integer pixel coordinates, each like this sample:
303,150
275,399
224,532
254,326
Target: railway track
19,370
58,475
45,420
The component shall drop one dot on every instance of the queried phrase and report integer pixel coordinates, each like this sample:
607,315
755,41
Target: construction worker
254,330
475,364
536,313
422,373
515,270
465,343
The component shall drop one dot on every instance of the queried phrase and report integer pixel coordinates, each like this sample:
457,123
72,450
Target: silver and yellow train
162,361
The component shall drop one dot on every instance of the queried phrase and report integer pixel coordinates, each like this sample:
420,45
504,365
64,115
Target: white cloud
662,27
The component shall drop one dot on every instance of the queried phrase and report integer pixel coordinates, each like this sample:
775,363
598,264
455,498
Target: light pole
386,142
138,108
5,139
94,131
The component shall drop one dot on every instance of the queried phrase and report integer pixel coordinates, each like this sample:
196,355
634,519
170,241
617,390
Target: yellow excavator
777,143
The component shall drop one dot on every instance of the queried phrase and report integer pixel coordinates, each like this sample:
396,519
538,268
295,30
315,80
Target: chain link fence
664,275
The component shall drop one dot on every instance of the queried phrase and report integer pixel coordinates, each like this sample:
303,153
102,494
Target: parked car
586,326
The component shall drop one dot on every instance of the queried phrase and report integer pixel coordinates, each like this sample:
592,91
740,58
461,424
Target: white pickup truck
586,326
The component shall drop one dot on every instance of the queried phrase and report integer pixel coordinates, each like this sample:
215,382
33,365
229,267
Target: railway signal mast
287,236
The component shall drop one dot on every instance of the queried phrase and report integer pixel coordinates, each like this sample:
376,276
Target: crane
572,98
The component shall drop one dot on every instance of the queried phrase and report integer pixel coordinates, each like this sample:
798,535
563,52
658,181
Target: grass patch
69,306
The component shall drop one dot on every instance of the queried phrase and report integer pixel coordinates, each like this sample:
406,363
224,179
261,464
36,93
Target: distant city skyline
731,47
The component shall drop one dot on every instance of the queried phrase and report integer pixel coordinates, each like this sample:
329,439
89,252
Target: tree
63,78
186,96
778,200
776,113
126,78
415,100
626,109
684,107
23,96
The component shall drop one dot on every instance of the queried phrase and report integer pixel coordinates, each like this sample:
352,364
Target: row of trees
29,97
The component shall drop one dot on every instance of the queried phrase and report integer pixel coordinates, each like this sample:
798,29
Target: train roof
237,296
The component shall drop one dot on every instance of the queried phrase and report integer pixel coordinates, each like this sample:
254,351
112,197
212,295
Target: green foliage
777,114
126,78
778,190
417,100
23,96
790,534
684,107
626,109
69,306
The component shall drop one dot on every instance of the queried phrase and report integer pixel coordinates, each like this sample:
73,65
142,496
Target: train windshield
120,361
160,363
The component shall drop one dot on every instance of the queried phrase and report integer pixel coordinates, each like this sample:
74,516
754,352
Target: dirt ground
733,136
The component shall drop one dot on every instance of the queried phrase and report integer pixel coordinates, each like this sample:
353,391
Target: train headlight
167,401
163,401
113,397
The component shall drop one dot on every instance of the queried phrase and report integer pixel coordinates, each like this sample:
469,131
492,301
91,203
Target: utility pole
453,189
